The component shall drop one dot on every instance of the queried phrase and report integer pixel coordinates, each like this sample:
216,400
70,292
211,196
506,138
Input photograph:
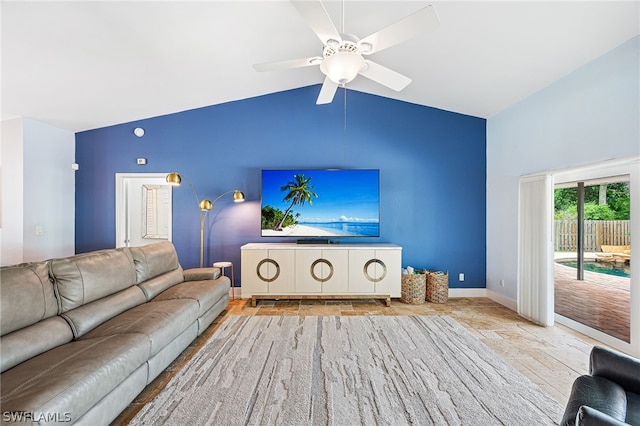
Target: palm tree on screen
300,192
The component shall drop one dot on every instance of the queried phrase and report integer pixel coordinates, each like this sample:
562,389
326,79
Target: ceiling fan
343,55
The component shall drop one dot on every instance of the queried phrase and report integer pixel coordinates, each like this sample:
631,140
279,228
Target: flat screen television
314,203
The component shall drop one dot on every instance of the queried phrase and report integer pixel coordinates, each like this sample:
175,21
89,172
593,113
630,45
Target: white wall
49,196
589,116
38,191
11,175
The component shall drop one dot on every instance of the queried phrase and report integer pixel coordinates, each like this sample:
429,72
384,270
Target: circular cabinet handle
366,272
313,273
274,263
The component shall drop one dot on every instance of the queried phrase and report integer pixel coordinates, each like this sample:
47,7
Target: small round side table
223,265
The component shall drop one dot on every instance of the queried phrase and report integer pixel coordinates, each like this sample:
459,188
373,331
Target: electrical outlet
39,230
461,277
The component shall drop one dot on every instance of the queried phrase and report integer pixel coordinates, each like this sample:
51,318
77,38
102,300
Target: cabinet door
335,271
388,282
310,271
322,271
253,271
362,271
279,271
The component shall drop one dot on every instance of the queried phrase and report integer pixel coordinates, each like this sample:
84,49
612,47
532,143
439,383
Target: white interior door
143,209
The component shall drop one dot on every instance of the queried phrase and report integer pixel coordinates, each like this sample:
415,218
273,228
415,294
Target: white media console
334,271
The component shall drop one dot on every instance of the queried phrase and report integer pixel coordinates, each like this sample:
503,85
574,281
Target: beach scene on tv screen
320,203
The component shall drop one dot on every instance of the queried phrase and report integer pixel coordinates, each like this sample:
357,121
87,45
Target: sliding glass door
592,254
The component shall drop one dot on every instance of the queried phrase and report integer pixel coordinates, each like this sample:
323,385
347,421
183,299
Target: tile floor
551,357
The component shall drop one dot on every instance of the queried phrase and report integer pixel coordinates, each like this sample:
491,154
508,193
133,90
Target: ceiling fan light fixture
342,67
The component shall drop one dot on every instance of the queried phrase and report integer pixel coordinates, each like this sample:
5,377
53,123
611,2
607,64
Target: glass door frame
621,167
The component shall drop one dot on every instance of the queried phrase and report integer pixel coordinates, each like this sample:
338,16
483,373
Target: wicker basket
413,288
437,287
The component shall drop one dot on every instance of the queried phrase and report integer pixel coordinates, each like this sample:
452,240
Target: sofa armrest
199,274
598,393
617,367
588,416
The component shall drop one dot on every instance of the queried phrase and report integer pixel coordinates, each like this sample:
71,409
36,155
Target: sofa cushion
87,317
109,407
153,260
160,321
72,378
28,342
206,319
26,296
206,292
91,276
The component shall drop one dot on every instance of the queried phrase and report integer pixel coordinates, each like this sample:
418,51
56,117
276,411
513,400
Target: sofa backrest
153,260
94,287
28,307
27,296
86,277
157,267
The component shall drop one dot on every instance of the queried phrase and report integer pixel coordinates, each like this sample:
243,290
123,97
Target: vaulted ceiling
85,64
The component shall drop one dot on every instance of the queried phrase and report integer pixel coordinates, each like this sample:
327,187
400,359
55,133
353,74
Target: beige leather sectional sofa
82,336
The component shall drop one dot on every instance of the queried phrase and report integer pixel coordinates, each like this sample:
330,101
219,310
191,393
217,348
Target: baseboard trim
467,292
503,300
235,293
483,292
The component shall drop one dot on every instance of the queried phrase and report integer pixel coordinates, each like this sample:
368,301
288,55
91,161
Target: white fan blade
318,19
413,25
327,92
291,63
385,76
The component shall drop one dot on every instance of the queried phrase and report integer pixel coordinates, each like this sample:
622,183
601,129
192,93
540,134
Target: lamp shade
205,205
342,67
174,178
238,196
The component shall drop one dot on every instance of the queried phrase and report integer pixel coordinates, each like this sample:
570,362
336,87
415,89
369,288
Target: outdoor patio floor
601,301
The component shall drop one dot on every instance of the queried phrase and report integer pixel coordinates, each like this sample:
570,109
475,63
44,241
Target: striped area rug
337,370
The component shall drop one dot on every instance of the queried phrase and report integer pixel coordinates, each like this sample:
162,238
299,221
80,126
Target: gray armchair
609,395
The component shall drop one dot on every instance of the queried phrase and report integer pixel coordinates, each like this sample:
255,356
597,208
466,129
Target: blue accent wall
432,172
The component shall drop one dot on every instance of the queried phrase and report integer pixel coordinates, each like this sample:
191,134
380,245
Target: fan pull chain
344,137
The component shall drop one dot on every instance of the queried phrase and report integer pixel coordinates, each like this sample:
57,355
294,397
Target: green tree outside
617,205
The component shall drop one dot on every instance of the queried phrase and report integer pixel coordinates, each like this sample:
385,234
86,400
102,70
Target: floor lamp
205,205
